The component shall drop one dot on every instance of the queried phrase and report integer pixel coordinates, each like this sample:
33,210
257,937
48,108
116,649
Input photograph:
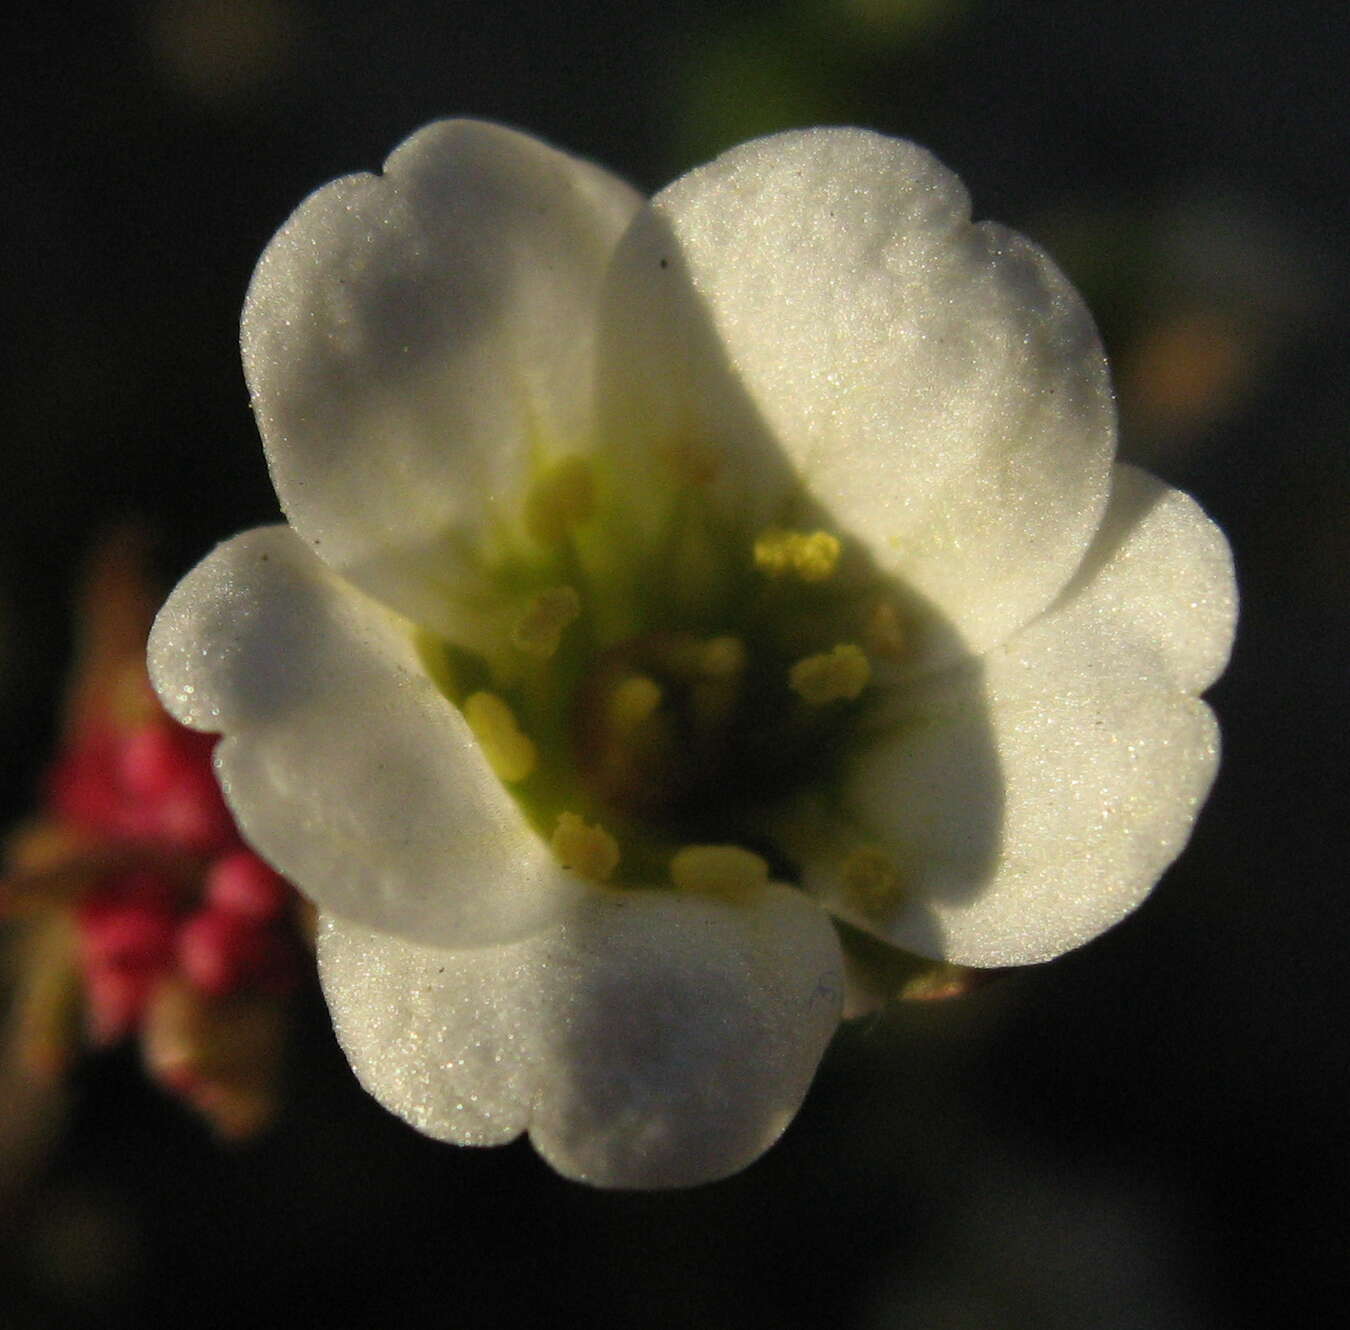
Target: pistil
670,718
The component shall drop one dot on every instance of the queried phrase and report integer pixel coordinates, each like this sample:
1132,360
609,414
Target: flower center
649,690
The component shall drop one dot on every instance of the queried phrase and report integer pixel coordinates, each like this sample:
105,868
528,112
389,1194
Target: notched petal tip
651,1040
342,762
1162,570
409,338
1097,753
938,385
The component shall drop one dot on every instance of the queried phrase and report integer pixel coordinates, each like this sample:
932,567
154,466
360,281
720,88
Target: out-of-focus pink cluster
196,902
142,912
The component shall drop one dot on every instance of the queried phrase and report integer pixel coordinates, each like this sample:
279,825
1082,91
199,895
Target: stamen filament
538,632
872,883
563,497
635,697
884,632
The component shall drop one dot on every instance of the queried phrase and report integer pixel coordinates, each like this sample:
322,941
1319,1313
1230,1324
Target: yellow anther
711,668
563,497
634,698
721,657
872,883
705,657
832,676
884,632
938,982
773,551
810,555
718,870
815,557
584,848
538,632
509,751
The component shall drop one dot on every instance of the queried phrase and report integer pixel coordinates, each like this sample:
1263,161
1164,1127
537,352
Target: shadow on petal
676,414
686,1034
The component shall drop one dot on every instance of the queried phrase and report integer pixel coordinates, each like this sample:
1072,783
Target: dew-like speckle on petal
665,583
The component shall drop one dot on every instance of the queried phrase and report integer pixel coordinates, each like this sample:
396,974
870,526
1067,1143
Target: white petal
342,762
1033,800
410,338
655,1039
1161,572
938,386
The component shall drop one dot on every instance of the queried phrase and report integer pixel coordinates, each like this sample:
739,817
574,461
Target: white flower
662,582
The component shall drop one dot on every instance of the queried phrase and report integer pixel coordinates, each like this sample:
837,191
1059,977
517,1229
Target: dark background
1150,1132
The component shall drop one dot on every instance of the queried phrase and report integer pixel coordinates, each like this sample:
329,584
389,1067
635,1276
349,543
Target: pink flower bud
182,803
129,925
116,999
241,883
150,761
81,786
126,942
211,947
